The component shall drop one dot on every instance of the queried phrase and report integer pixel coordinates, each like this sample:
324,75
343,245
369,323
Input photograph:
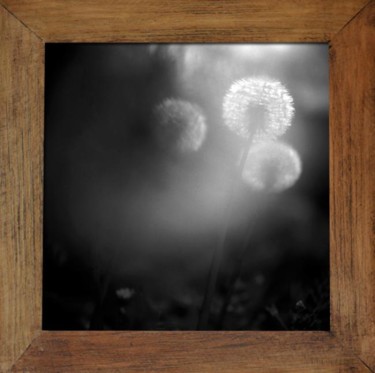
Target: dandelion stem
236,273
104,282
274,312
219,249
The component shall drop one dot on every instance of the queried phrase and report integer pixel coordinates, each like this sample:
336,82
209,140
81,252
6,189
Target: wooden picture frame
348,27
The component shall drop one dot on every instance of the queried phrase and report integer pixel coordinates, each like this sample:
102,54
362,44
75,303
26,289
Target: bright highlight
251,101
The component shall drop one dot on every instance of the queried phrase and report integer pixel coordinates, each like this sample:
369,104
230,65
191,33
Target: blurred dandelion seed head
251,100
272,167
180,125
125,293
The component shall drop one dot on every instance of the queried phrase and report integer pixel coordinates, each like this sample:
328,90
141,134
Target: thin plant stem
274,312
97,315
219,249
96,322
236,273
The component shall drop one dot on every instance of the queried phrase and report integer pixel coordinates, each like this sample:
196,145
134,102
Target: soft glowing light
272,167
257,51
258,107
180,125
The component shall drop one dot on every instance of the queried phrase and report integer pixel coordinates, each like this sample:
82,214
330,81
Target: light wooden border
348,27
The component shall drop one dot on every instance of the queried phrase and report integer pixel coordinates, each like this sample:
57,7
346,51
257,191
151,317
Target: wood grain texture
352,115
21,111
352,119
188,352
185,20
350,346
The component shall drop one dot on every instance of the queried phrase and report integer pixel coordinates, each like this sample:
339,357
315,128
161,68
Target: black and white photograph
186,187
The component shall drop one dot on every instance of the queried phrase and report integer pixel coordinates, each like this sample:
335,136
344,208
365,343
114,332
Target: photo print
186,187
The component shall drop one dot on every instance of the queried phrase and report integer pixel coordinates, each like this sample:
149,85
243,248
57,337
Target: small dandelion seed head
125,293
180,125
272,167
247,98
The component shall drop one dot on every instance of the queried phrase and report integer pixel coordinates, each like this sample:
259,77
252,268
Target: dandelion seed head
272,167
248,97
125,293
180,125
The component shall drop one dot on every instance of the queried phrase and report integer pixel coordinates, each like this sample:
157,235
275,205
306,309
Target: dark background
122,213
